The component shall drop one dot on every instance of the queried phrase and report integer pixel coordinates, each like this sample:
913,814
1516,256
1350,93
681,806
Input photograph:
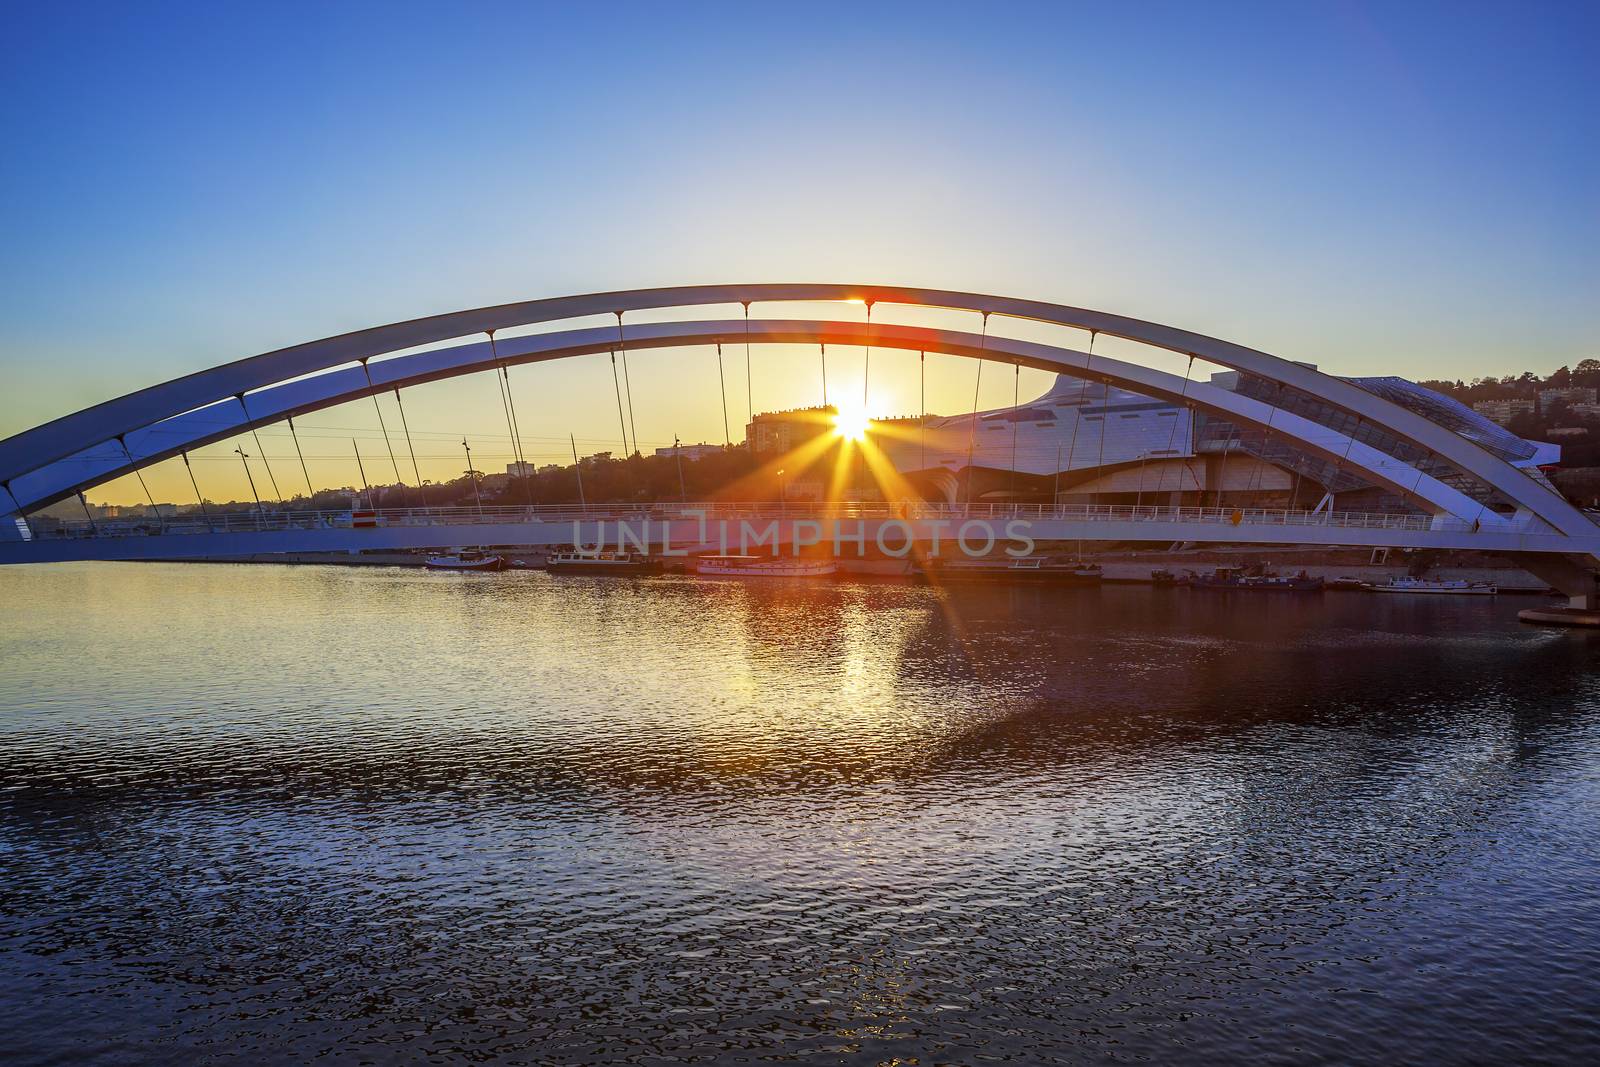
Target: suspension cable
1016,402
6,485
616,387
866,366
139,474
749,404
1222,470
722,383
416,473
262,452
1183,397
1338,466
362,470
1352,442
577,468
505,401
1266,442
822,347
521,455
1055,491
383,426
516,424
310,492
972,432
922,399
1105,423
516,427
1072,447
622,343
1105,406
93,529
196,485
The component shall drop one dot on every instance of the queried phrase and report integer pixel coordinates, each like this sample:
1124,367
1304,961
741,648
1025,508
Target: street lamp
244,458
473,475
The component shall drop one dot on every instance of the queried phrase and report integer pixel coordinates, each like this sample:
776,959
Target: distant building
699,451
1503,411
520,469
1585,411
1566,431
782,431
1573,395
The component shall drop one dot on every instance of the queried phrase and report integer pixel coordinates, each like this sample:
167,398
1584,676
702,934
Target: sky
1400,188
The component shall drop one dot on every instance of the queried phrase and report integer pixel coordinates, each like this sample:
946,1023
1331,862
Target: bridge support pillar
1577,577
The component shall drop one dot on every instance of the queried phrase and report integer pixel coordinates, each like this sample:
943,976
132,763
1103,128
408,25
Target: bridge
1459,494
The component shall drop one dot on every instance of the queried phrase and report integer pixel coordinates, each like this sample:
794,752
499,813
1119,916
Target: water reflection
388,814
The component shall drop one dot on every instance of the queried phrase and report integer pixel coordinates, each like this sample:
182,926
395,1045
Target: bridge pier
1576,577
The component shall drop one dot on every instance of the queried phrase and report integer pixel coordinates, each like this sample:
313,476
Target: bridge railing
267,520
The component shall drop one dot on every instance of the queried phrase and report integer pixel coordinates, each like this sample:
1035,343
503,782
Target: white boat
602,563
465,560
1450,587
764,567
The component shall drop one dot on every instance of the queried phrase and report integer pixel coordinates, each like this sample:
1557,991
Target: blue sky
1401,188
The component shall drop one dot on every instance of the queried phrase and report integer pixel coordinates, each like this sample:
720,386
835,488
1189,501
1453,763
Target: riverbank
1132,567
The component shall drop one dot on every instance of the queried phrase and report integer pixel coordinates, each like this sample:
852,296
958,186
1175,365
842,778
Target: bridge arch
192,430
51,461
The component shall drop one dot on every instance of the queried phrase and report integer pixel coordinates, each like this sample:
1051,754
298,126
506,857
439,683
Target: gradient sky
1402,188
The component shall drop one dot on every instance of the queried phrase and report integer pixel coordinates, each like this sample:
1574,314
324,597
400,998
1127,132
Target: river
273,814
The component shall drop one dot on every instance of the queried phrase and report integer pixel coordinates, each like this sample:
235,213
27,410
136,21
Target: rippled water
271,814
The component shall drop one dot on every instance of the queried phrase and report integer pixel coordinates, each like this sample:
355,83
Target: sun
851,422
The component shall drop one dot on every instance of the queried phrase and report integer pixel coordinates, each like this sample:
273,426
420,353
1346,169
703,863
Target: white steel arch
193,429
29,457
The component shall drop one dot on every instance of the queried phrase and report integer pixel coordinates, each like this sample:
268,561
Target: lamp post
677,451
473,475
244,458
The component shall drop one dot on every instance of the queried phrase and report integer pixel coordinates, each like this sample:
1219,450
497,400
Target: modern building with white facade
1084,442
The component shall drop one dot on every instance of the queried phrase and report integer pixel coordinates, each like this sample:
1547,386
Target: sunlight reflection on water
287,812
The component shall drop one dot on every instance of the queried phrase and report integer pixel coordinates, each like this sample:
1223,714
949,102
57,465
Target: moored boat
1434,587
1051,570
622,563
1170,578
1235,578
764,567
465,560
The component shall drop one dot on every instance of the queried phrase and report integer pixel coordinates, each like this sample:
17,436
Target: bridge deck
688,526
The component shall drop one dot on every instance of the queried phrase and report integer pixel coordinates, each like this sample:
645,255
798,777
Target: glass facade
1216,434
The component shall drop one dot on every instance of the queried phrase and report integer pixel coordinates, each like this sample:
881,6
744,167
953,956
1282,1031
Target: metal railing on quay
264,521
